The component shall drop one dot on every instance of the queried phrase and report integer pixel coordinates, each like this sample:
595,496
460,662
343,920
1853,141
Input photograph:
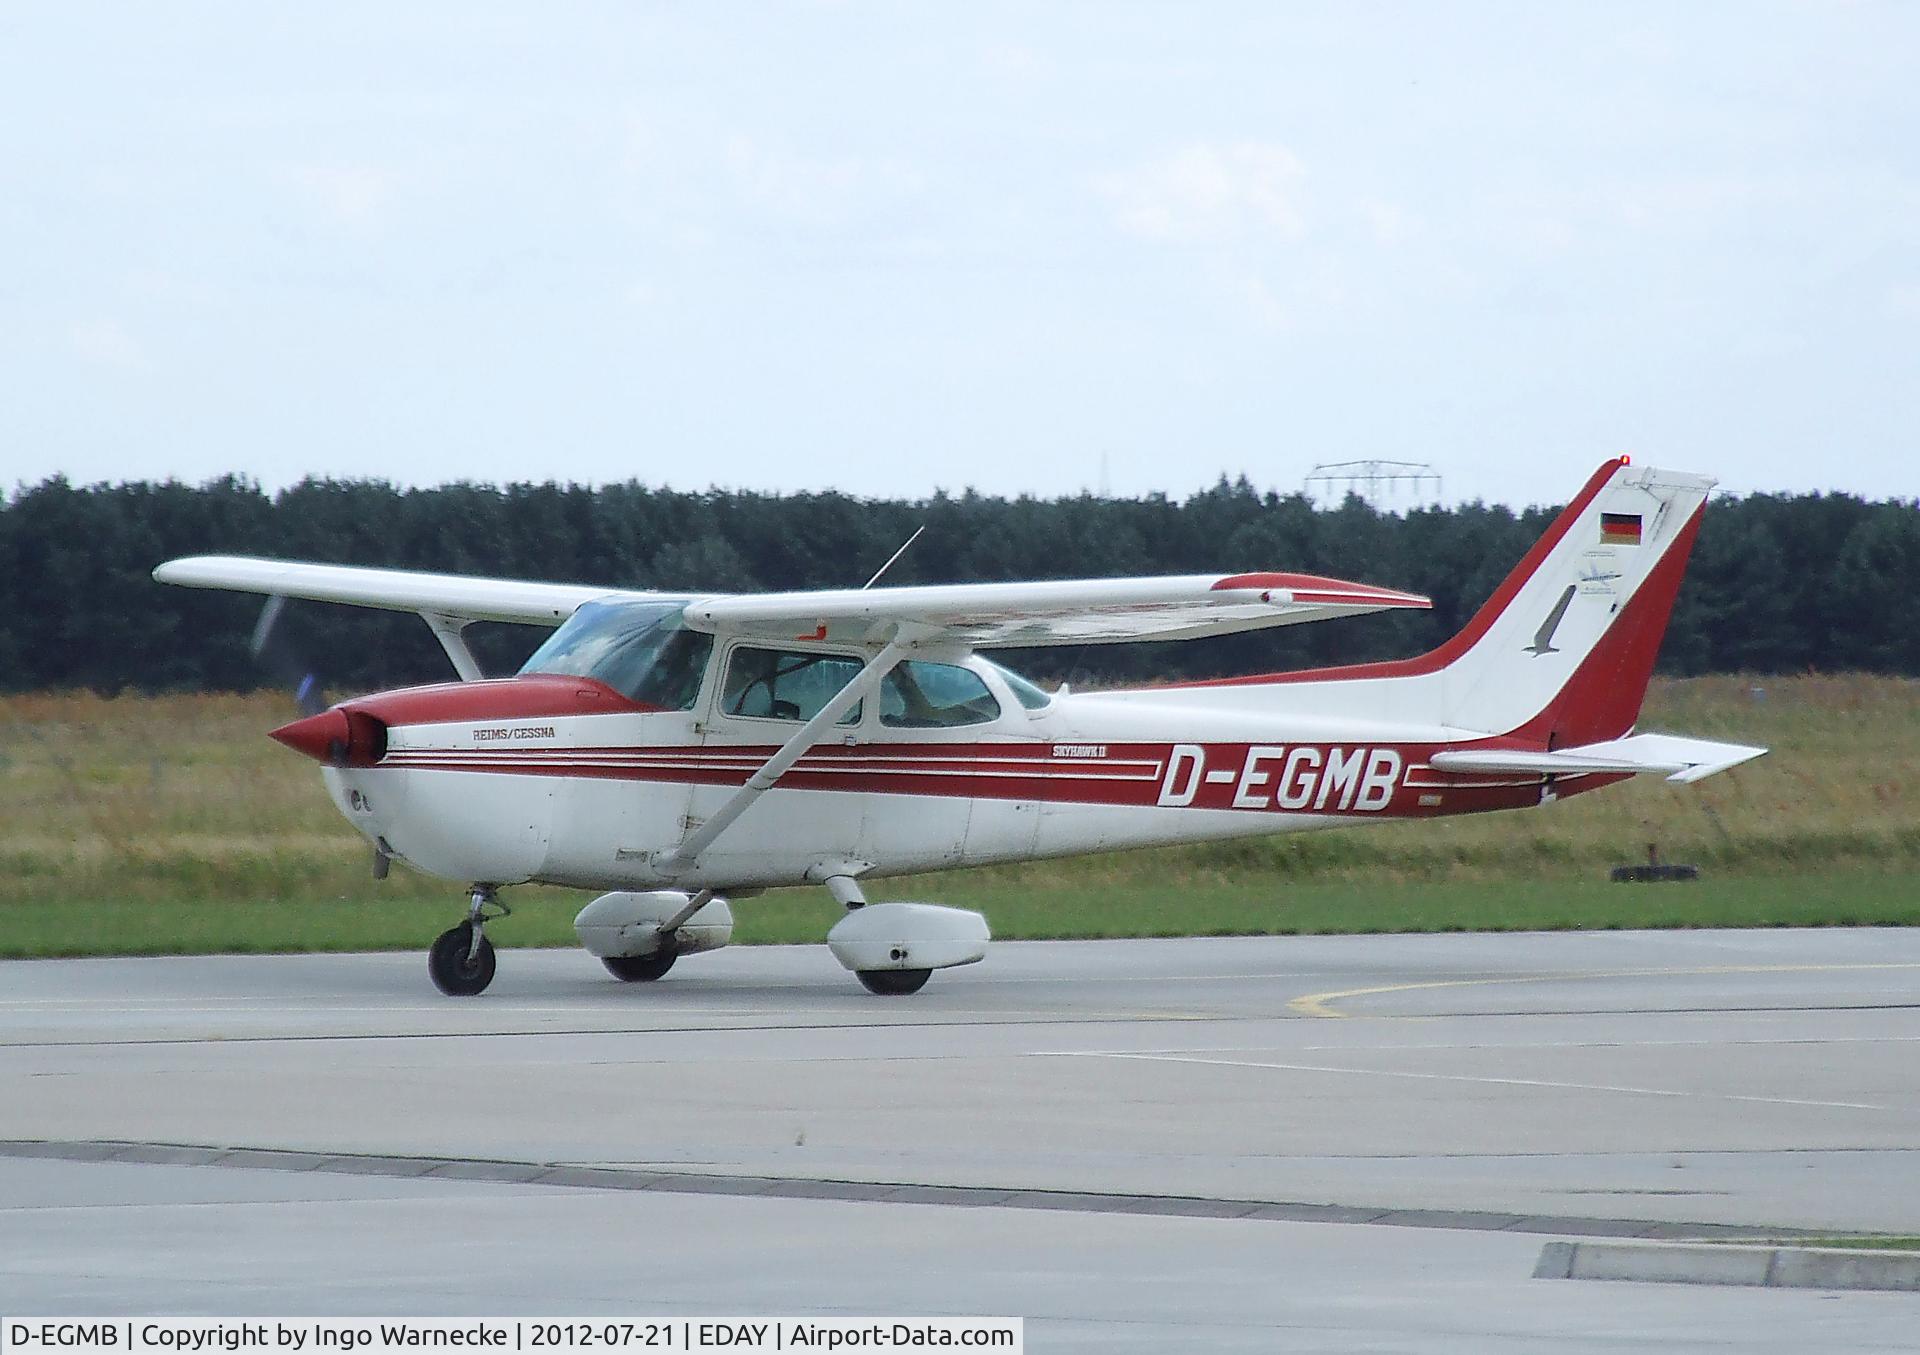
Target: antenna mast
895,556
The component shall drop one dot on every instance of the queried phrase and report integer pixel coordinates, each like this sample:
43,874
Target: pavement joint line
351,1037
1138,1018
562,1175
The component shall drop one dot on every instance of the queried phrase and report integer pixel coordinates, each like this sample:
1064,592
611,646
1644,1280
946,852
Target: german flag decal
1619,529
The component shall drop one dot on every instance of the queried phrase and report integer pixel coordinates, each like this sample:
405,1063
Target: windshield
642,650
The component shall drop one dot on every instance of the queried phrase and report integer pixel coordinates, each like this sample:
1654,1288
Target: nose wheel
461,959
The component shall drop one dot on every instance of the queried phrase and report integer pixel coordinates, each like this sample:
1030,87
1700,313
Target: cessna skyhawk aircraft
676,751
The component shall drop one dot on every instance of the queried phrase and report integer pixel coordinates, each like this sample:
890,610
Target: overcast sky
891,248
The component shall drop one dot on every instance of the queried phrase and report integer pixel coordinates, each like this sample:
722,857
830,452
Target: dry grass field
172,823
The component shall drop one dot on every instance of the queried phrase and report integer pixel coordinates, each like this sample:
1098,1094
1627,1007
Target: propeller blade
278,656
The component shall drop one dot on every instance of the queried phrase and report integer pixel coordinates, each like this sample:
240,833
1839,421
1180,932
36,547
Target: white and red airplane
679,751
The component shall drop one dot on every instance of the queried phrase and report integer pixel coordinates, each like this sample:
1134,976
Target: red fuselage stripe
1222,779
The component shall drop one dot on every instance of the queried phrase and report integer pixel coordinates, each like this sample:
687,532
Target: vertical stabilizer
1560,654
1563,651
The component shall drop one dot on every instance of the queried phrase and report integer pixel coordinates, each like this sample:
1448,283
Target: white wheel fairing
908,936
626,924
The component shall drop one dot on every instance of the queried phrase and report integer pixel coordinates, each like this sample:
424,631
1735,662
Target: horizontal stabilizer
1681,759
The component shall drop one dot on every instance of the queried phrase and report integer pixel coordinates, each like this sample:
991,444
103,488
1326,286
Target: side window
935,696
771,684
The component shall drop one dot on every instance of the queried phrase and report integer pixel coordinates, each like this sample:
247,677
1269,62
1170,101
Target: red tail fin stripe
1436,659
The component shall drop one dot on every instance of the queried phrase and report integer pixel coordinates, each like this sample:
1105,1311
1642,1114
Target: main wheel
457,967
893,982
639,968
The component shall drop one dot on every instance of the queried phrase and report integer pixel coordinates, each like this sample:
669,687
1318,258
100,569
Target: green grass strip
1022,904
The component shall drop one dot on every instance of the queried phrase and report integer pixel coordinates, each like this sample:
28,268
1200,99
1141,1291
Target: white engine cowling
626,924
908,936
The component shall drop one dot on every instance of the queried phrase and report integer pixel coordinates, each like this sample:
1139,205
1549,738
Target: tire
894,982
639,968
453,972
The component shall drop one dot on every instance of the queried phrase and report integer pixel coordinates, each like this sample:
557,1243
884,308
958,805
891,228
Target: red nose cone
322,737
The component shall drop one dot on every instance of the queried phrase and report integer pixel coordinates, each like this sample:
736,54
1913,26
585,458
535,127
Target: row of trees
1779,583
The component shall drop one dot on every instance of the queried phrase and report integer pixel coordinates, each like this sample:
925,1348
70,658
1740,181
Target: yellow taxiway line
1315,1004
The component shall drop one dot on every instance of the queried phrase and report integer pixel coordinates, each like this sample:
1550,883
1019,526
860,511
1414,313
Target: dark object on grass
1654,872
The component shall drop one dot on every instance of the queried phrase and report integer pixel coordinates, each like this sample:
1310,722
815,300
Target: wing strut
790,752
448,630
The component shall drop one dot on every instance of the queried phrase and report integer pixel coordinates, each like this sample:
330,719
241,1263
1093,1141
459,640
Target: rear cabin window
1024,691
772,684
920,695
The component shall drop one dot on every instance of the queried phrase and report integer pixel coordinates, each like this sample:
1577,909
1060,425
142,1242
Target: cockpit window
641,649
772,684
919,695
1024,691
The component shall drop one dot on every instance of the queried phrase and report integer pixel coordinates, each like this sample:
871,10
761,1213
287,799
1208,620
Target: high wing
458,597
1052,612
978,615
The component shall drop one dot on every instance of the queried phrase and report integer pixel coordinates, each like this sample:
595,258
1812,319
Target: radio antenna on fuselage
895,556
